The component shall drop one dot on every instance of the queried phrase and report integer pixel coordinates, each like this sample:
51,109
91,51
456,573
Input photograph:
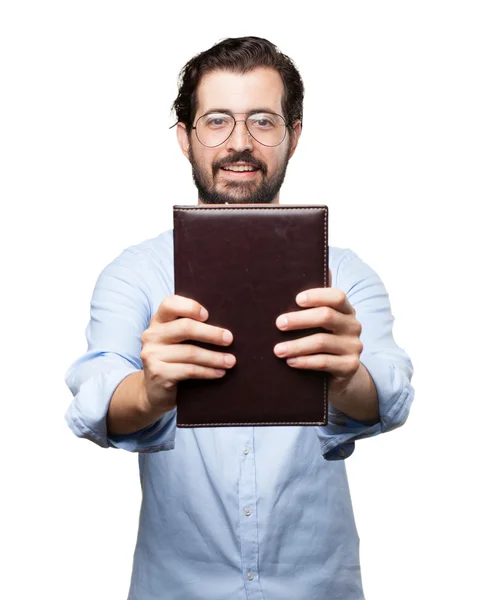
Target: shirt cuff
86,416
395,395
156,437
394,389
340,452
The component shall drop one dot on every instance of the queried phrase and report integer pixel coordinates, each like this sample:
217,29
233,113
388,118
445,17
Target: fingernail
220,372
227,337
282,322
280,349
292,361
302,298
229,360
203,313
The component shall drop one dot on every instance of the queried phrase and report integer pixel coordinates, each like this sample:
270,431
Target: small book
246,264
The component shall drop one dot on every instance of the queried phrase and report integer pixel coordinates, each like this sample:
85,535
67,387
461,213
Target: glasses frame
245,121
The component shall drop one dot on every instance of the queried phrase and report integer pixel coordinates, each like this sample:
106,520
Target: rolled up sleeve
120,312
388,364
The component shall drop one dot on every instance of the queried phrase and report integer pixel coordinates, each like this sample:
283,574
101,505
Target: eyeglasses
213,129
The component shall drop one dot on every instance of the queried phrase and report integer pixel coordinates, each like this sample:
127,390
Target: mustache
243,157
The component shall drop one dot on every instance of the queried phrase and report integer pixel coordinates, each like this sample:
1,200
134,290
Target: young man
243,512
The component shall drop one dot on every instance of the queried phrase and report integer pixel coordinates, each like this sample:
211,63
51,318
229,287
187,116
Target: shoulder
157,249
153,258
340,256
341,259
146,268
149,256
348,269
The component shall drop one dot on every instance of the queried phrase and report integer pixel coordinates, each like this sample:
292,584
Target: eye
262,121
216,121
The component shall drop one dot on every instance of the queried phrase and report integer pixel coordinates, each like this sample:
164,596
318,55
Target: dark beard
265,193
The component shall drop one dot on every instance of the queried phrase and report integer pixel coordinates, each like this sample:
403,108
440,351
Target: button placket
248,525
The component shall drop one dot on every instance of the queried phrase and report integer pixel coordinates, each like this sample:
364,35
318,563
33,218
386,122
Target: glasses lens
268,129
215,128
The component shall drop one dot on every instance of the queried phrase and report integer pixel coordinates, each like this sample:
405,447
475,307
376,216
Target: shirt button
247,511
250,576
246,450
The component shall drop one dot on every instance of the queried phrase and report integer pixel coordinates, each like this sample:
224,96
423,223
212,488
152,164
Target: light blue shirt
241,513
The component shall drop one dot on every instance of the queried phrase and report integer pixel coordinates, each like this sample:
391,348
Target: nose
240,139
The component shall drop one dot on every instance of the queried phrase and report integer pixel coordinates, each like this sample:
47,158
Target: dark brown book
246,264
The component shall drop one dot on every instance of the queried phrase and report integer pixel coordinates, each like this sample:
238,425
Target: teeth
240,169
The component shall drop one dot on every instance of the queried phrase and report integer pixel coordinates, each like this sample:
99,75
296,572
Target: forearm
359,399
129,410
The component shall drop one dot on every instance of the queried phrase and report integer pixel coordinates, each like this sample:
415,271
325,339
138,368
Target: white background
88,167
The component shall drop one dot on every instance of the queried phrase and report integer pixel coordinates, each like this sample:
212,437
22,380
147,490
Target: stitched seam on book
251,424
252,208
325,283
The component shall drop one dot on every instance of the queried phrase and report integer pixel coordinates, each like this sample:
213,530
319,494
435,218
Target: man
242,512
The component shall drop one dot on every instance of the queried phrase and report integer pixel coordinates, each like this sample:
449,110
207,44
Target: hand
338,350
166,360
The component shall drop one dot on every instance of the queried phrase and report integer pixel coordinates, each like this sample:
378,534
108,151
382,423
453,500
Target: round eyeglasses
213,129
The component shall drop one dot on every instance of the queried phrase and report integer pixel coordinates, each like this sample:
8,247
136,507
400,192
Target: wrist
356,396
153,406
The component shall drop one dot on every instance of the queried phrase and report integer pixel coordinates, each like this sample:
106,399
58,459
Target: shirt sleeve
388,364
120,312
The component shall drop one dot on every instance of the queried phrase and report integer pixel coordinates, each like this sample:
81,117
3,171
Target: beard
238,192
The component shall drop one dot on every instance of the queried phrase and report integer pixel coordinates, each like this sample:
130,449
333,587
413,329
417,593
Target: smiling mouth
240,168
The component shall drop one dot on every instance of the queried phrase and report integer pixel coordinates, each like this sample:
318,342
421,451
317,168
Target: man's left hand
336,351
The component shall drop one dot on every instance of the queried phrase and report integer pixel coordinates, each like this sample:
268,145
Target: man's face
239,94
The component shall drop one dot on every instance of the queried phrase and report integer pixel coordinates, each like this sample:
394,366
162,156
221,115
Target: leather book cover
245,264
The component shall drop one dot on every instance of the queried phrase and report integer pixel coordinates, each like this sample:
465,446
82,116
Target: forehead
240,92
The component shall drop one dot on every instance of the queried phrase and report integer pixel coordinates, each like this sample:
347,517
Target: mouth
240,170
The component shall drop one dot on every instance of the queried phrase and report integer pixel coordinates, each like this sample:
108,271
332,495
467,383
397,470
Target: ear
295,134
183,139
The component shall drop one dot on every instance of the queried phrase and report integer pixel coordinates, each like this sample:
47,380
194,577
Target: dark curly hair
239,55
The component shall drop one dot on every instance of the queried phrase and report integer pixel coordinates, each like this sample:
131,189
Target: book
246,264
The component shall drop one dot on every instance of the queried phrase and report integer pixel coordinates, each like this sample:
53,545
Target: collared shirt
235,513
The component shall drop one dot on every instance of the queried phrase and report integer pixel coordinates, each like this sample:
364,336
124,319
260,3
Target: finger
319,343
184,329
176,306
191,354
332,297
338,366
323,316
175,372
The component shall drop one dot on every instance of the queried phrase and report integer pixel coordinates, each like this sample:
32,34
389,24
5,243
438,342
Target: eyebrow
248,113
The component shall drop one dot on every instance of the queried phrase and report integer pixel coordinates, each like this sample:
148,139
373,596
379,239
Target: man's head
239,111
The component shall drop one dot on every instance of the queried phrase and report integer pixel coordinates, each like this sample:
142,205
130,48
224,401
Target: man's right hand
166,360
